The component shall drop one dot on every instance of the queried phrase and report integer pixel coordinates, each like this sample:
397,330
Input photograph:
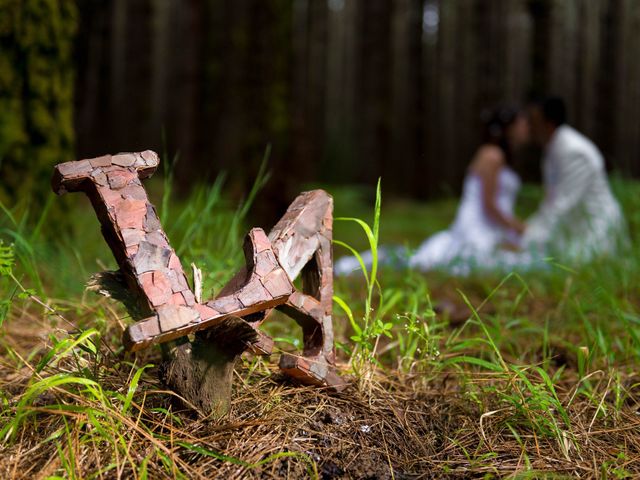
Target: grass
541,381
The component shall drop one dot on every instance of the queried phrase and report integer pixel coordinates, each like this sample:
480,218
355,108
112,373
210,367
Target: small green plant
367,332
615,468
418,332
7,277
7,261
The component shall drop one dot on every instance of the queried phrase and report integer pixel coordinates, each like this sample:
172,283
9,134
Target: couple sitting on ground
578,220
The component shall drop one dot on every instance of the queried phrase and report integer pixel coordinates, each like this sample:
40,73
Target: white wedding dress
472,241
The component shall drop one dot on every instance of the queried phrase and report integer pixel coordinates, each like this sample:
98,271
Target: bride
485,232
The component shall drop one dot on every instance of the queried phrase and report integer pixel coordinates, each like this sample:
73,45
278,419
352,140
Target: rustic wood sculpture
201,371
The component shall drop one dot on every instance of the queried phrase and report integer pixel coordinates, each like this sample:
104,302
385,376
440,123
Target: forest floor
539,378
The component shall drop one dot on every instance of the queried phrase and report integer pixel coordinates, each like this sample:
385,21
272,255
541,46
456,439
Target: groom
579,217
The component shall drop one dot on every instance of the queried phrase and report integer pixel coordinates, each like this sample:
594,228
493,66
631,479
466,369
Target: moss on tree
36,93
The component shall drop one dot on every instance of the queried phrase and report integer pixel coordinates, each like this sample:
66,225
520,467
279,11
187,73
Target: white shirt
579,217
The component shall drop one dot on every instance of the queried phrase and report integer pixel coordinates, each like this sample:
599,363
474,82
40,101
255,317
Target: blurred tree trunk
427,170
132,71
541,12
563,51
36,94
607,82
181,116
470,94
446,168
118,54
626,150
589,37
92,84
517,38
373,87
338,163
269,108
308,96
407,101
174,83
245,102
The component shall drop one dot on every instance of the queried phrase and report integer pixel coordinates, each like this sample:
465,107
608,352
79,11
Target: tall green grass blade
474,361
346,309
133,386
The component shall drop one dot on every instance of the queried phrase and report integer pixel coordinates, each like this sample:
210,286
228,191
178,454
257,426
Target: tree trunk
202,371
